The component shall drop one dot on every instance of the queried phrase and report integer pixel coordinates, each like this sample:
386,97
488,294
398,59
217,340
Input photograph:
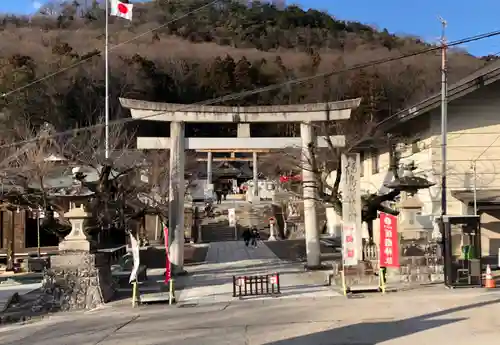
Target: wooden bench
114,254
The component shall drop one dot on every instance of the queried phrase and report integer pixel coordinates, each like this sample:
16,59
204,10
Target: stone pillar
209,168
333,222
176,197
255,175
351,197
243,130
309,190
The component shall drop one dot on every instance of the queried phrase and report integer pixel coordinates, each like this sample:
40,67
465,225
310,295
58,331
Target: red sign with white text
168,272
389,241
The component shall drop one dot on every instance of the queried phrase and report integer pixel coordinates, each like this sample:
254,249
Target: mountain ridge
224,48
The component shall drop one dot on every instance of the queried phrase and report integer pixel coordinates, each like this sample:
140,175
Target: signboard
389,241
231,216
168,272
135,254
349,245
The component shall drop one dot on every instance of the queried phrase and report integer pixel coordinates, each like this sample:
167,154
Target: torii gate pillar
309,191
176,197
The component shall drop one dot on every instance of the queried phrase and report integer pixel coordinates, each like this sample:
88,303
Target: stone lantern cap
77,213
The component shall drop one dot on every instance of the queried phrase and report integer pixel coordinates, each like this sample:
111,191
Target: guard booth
462,251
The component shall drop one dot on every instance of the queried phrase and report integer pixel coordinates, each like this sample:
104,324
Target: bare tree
29,157
325,163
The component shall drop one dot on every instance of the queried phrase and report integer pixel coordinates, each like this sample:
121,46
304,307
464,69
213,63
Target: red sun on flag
122,8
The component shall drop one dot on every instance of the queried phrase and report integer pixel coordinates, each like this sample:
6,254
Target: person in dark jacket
247,235
218,195
255,236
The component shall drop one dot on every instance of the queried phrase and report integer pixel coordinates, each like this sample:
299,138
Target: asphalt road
7,290
430,316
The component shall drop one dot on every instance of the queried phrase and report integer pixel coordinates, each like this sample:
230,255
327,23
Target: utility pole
474,172
444,134
444,117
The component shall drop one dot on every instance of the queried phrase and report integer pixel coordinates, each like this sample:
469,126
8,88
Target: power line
244,94
395,115
76,64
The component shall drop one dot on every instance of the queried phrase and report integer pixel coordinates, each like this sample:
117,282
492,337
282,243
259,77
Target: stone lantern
77,239
409,209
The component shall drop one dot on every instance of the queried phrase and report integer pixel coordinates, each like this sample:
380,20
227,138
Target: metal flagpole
106,98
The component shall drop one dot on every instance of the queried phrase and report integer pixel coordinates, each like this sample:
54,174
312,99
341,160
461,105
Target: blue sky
465,18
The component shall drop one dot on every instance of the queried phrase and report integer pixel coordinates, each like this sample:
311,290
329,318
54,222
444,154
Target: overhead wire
272,87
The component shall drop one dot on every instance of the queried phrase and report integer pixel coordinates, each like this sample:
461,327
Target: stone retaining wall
76,281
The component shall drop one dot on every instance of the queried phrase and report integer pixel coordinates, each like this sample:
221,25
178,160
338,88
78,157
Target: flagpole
106,98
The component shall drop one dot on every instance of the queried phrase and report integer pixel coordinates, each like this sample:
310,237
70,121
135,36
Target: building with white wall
473,140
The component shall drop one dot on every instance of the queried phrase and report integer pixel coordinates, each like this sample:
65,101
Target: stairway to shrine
217,229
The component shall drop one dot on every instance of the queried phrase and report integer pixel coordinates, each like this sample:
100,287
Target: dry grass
38,44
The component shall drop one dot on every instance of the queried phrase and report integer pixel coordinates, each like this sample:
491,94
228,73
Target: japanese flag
120,9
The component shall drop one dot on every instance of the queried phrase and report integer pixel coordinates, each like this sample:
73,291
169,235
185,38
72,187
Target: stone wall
76,281
420,262
419,259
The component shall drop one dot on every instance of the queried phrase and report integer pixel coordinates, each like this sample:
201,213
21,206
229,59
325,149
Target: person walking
255,236
247,235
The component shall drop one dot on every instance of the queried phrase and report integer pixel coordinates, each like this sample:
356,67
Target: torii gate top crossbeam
168,112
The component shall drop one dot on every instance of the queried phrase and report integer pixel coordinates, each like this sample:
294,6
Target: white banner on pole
135,254
231,216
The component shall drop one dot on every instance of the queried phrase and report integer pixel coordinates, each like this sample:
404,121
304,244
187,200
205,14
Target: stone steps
247,215
217,231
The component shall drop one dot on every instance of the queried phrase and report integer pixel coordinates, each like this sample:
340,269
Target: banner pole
134,294
344,286
381,279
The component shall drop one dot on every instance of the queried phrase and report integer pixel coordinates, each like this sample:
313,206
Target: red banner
295,178
389,241
167,264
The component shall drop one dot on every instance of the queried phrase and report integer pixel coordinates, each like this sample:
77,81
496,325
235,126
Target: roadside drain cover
188,305
354,296
154,298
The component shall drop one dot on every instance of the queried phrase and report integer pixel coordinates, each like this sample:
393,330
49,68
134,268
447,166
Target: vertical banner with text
167,264
349,245
389,241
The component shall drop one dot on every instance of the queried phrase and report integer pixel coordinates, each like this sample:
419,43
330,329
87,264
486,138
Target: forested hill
224,48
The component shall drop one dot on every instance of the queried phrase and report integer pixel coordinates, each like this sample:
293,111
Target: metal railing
261,285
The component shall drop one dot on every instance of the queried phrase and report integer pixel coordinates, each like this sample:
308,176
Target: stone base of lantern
78,280
70,244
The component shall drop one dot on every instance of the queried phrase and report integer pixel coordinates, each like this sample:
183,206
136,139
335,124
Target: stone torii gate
306,114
